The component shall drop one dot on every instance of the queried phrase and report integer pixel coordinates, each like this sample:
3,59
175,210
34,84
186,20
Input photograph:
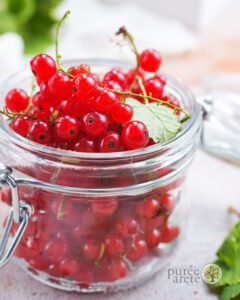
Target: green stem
141,85
149,97
12,115
59,25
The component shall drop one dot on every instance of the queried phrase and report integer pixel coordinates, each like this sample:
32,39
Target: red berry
72,71
39,114
111,142
118,269
43,66
138,250
69,267
40,132
135,135
127,226
160,78
94,124
85,84
104,208
117,76
114,246
83,69
40,102
85,144
151,207
167,202
150,60
21,125
91,249
154,87
131,76
169,233
47,95
56,251
153,238
122,113
60,85
106,100
17,100
67,128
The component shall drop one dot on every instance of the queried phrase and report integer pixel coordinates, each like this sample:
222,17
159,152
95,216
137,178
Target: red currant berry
153,238
85,84
167,202
17,100
21,125
122,113
67,128
43,66
114,246
72,71
154,87
91,249
118,269
39,114
113,85
150,60
135,135
106,100
161,79
131,76
40,102
111,142
47,95
139,249
83,69
151,207
117,76
85,144
169,233
127,226
69,267
94,124
104,208
56,251
40,132
60,85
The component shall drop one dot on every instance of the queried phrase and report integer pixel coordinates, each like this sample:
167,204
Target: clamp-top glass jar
93,225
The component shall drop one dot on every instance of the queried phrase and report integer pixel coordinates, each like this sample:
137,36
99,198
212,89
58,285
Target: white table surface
213,185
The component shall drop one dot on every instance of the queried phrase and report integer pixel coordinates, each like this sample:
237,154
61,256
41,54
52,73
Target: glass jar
94,222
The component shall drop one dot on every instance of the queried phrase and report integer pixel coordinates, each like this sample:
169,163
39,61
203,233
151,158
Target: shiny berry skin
46,94
40,132
69,267
122,113
118,269
117,76
111,142
151,207
21,125
56,251
138,251
43,66
131,76
85,144
153,238
154,87
60,85
150,60
91,249
169,233
17,100
94,124
104,208
83,69
40,102
106,100
167,202
85,84
135,135
161,79
126,226
39,113
114,246
67,128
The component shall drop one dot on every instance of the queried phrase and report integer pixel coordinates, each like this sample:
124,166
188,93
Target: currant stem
140,82
59,25
12,115
148,97
233,210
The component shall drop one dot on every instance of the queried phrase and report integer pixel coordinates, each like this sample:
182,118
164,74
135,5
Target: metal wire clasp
20,213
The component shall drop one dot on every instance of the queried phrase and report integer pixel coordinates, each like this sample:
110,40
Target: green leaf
161,121
229,258
230,292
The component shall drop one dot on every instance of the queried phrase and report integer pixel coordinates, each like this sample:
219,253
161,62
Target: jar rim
28,144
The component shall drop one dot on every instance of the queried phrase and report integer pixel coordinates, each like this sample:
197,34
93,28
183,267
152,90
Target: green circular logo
211,273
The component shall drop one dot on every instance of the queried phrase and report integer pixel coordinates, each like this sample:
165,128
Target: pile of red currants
76,110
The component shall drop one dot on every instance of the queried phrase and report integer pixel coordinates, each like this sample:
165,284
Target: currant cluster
77,110
102,245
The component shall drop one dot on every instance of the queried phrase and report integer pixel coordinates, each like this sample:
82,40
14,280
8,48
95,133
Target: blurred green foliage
32,19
